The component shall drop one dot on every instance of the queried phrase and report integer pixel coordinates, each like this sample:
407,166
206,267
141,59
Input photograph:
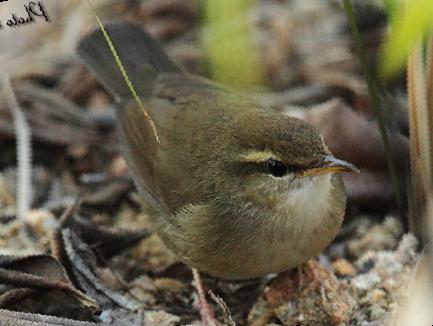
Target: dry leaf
52,118
15,318
37,273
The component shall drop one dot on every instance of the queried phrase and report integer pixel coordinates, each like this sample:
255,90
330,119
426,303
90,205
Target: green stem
122,70
375,97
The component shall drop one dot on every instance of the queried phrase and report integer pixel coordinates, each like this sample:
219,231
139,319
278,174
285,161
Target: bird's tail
141,56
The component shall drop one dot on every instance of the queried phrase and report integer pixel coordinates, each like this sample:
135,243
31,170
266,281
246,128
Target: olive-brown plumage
238,190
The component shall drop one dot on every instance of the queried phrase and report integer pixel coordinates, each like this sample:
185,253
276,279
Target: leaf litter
92,259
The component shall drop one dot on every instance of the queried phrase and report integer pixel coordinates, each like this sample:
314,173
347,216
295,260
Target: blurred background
297,57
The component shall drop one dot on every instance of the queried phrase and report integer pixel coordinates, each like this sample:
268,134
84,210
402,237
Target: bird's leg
206,312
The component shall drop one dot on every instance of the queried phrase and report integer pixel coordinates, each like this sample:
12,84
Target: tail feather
142,57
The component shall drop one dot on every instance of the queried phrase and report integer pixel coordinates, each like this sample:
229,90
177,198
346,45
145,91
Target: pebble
365,282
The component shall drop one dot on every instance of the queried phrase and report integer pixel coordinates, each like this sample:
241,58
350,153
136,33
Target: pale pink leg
206,312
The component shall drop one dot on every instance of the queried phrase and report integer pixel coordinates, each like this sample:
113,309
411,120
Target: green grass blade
123,72
378,105
390,6
229,40
410,22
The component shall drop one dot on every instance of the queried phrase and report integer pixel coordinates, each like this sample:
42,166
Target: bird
236,190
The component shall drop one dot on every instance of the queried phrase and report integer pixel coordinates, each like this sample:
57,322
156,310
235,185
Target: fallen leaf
27,274
16,318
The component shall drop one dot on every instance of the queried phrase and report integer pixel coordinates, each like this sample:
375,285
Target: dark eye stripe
275,168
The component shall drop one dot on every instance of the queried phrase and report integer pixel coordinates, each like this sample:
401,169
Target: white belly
308,221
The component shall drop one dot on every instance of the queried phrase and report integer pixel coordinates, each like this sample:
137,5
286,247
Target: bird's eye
275,168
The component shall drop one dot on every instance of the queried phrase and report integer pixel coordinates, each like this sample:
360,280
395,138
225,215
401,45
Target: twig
227,315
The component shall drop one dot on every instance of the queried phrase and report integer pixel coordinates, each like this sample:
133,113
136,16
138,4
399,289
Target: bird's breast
305,222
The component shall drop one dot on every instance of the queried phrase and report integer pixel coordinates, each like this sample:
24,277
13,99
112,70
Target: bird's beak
330,164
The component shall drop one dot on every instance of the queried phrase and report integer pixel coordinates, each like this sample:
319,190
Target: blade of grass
123,72
376,99
228,39
390,6
416,181
429,95
410,20
416,65
429,62
420,103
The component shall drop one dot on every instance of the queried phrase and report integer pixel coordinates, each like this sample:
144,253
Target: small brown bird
239,191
